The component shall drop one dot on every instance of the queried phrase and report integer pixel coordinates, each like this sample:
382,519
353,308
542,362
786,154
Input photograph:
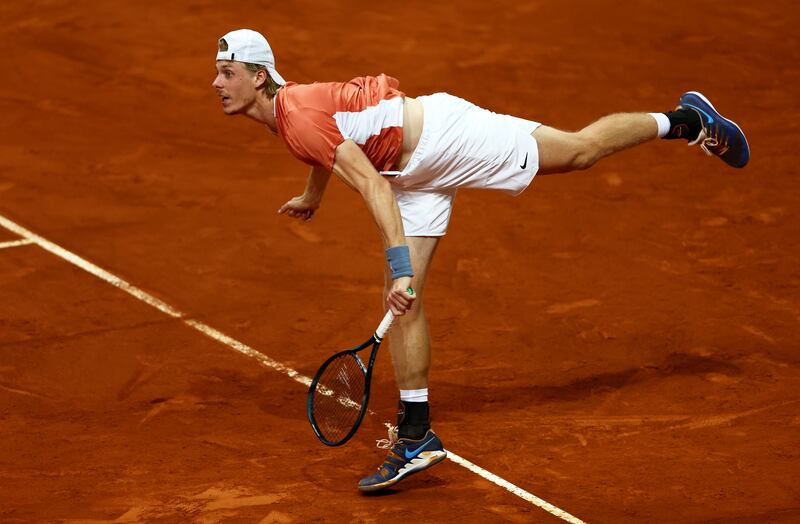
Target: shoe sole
431,458
731,122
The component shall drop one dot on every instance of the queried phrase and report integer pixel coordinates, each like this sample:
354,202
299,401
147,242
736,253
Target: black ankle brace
684,123
413,420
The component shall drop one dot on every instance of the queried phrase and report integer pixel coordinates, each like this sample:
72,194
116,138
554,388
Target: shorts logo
524,163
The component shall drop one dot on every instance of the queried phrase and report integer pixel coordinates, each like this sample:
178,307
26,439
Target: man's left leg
415,447
695,120
563,151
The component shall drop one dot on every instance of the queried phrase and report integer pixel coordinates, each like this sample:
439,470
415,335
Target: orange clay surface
622,342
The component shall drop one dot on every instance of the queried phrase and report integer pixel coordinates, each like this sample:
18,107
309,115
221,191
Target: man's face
235,85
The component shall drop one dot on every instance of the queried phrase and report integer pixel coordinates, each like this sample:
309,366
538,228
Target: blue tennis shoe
719,136
405,457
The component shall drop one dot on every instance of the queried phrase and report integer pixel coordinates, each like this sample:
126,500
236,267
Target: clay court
620,343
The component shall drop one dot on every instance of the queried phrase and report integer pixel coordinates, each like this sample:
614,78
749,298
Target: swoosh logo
709,117
525,163
410,454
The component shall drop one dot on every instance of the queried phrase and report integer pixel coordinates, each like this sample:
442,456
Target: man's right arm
355,169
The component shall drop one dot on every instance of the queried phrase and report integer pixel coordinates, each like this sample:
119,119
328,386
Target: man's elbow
375,187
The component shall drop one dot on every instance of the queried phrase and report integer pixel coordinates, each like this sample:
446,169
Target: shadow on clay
676,364
412,483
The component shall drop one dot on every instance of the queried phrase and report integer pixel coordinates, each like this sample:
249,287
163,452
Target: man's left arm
305,205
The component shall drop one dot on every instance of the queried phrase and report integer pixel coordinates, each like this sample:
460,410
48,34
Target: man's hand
299,207
400,299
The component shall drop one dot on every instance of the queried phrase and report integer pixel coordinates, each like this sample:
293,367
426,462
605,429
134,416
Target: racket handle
384,326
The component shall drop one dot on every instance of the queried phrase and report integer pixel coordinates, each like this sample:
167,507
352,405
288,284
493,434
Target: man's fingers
397,311
291,209
286,208
400,301
390,300
303,214
404,297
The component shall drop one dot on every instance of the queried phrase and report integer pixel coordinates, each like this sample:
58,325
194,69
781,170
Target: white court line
32,238
15,243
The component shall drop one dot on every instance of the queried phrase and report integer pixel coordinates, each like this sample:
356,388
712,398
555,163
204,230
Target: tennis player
407,157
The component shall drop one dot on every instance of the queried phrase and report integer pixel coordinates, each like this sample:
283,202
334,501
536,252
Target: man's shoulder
294,97
304,107
381,82
366,81
319,99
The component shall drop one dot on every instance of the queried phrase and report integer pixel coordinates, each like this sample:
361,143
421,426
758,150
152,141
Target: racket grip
384,326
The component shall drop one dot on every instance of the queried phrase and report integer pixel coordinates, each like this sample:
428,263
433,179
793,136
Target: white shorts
462,145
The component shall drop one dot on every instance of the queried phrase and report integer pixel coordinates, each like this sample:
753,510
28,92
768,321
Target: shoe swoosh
709,117
410,454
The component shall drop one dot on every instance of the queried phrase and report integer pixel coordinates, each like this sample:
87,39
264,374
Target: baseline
29,237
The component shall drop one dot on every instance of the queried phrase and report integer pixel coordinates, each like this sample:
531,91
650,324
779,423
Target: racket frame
374,341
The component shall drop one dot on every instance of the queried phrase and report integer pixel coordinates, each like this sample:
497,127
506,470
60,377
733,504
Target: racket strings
338,396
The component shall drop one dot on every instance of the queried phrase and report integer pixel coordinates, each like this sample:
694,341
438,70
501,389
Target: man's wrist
312,198
399,260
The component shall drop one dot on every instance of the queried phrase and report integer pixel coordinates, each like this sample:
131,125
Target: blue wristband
399,259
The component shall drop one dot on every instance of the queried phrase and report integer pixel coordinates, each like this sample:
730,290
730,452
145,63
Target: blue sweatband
399,259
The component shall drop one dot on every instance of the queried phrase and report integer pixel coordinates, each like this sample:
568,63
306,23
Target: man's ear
260,78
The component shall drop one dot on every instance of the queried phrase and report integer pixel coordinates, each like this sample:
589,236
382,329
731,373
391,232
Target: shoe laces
712,141
388,443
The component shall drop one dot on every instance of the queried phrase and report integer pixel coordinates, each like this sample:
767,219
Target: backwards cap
246,45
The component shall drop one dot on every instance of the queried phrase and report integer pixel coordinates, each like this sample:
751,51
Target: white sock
414,395
663,123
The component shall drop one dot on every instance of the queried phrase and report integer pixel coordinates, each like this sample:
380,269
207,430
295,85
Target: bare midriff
412,129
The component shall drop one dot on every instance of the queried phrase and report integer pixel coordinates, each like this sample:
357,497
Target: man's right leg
416,447
410,345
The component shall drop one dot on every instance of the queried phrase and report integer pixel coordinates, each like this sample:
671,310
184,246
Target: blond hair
269,87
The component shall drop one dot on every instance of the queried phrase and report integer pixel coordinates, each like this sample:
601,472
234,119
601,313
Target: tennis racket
339,393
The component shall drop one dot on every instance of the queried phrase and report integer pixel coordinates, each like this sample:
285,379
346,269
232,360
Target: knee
413,315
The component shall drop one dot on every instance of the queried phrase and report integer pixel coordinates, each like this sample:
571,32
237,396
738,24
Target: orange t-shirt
313,119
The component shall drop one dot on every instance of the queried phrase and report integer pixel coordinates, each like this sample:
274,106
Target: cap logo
223,45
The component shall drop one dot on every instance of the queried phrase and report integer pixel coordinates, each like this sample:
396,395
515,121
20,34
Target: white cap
246,45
